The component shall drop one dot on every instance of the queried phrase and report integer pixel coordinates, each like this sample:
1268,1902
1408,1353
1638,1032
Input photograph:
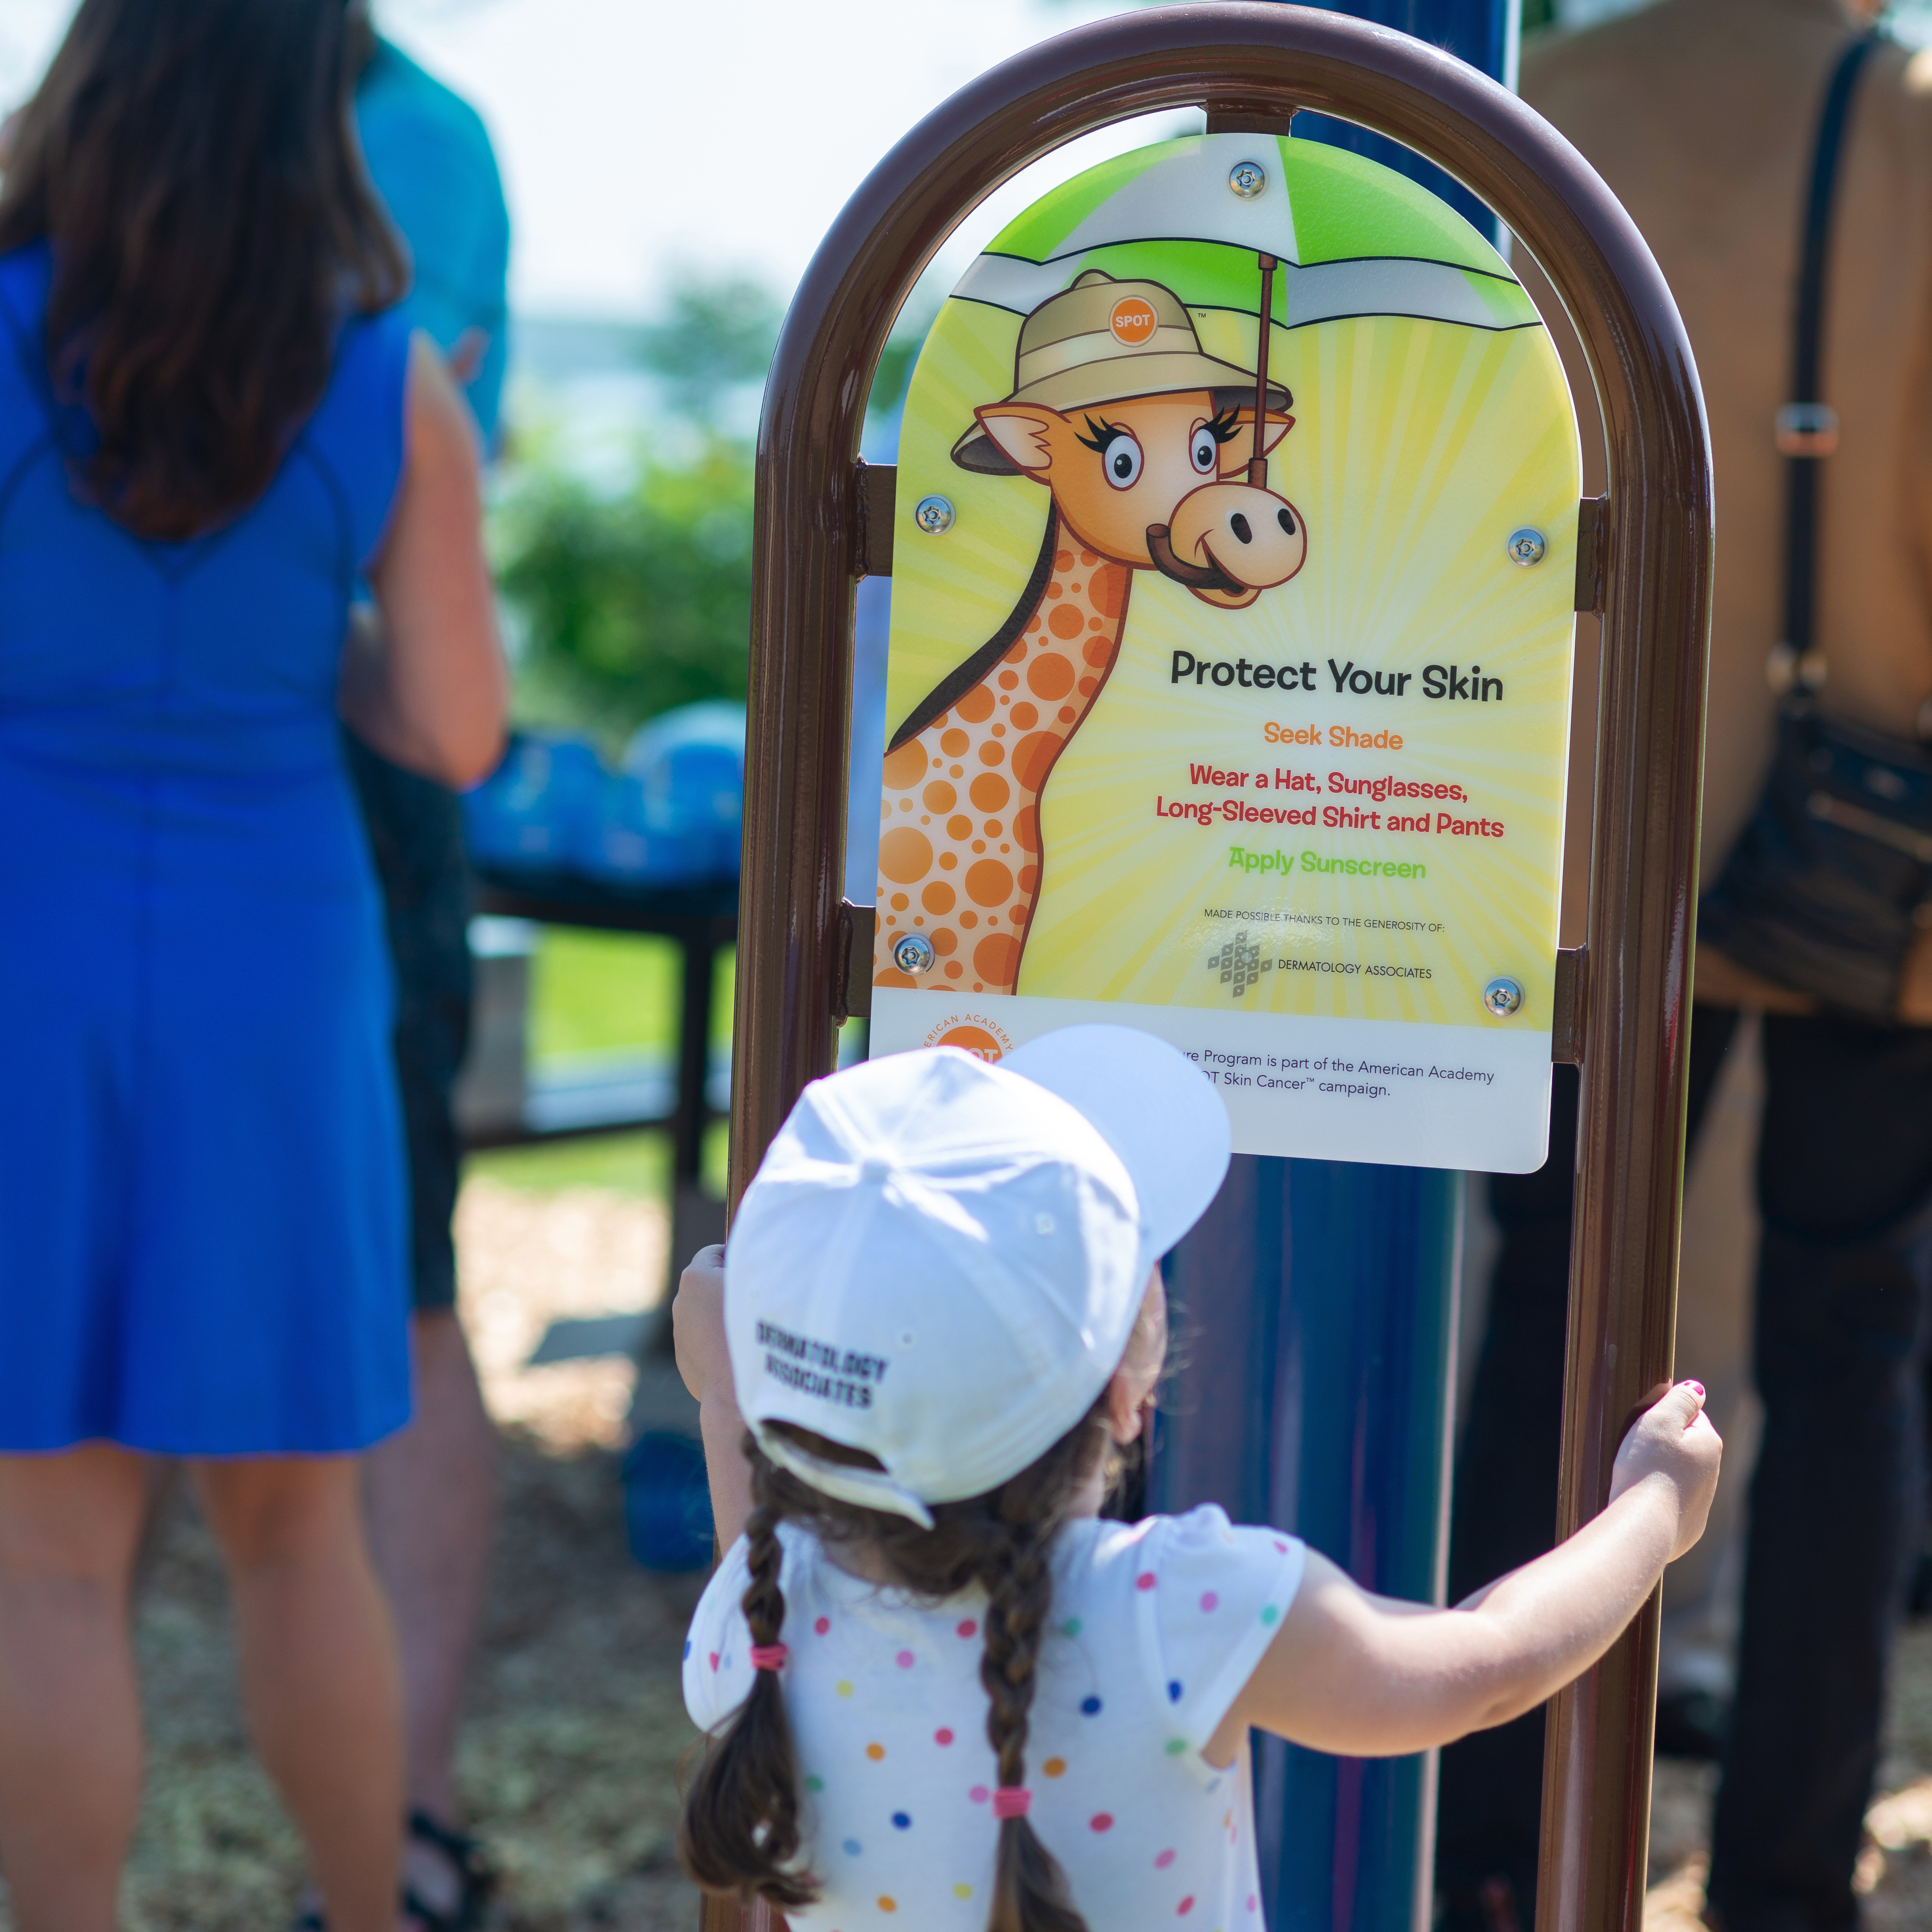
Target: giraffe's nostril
1238,524
1285,517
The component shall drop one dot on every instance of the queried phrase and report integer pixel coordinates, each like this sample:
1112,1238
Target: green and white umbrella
1352,238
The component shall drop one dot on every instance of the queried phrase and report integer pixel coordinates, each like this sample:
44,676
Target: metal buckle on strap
1785,670
1872,825
1806,429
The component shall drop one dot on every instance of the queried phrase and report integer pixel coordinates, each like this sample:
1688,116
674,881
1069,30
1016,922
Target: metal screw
1502,997
1247,179
1527,546
912,952
934,515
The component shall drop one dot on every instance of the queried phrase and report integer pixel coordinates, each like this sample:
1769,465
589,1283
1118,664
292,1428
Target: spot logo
1133,321
974,1033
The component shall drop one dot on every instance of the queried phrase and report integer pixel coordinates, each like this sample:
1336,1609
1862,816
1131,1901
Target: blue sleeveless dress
203,1234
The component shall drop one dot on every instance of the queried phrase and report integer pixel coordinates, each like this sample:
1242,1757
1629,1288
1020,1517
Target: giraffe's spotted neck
959,850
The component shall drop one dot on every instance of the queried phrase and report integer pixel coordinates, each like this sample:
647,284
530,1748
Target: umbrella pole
1258,463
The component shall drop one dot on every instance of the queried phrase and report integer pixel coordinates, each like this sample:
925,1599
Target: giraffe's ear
1236,451
1273,428
1023,432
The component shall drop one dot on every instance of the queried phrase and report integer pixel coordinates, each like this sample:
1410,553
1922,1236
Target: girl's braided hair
740,1830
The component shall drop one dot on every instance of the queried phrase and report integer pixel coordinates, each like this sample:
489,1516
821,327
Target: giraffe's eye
1204,451
1121,461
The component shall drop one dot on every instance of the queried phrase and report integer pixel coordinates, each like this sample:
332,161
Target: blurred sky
726,133
635,133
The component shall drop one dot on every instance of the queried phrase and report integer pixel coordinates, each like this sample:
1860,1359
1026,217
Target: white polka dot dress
1156,1626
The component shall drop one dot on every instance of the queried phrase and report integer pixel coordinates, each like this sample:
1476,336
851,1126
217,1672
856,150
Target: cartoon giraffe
1139,436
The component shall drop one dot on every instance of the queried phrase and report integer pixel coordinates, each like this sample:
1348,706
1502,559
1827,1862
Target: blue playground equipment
1314,1315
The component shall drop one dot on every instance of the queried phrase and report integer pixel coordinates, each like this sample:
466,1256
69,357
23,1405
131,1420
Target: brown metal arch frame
1251,58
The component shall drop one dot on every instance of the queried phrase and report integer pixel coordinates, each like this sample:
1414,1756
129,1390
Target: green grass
635,1164
592,992
602,992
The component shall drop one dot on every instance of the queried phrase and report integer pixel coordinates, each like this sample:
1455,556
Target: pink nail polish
1699,1387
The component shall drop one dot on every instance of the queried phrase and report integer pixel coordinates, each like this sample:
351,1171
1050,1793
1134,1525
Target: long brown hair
740,1829
193,168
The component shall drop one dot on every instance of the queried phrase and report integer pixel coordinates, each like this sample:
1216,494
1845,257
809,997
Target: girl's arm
427,687
697,1328
1366,1676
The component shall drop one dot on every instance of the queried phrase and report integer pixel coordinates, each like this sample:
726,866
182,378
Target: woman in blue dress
211,439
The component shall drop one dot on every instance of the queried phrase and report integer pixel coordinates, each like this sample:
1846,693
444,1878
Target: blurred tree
632,604
628,604
716,336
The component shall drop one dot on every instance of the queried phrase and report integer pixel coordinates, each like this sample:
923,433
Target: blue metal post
1316,1315
1484,32
1315,1326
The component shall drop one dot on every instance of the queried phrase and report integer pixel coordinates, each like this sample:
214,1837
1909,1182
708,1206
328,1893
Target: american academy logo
974,1033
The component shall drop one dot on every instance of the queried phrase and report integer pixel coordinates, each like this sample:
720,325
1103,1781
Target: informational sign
1229,677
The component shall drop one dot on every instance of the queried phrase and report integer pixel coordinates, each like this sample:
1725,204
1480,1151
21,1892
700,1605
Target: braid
740,1832
1029,1889
1020,1591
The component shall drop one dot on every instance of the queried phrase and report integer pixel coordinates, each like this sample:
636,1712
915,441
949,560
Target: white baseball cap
940,1260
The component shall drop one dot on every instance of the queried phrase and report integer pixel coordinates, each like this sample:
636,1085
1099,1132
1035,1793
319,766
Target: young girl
927,1660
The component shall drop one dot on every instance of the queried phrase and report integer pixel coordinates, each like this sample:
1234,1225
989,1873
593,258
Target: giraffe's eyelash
1225,427
1103,434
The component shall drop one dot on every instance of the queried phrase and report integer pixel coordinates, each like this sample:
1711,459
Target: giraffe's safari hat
939,1261
1102,341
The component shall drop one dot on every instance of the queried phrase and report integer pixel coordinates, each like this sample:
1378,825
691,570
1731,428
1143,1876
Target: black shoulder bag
1831,882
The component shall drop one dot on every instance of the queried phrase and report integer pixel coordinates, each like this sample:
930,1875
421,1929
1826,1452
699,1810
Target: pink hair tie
1012,1801
768,1657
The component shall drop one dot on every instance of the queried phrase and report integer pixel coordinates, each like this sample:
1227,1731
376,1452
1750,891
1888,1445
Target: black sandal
475,1876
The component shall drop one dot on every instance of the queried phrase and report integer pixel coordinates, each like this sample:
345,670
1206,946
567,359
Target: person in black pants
1703,117
431,1490
1844,1186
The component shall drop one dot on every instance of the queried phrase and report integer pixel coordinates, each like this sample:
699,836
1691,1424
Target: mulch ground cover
576,1730
568,1759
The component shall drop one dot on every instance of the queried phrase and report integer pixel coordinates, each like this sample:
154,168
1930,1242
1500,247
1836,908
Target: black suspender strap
1808,426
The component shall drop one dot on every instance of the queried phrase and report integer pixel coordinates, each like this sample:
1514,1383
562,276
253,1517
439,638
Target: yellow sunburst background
1418,447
